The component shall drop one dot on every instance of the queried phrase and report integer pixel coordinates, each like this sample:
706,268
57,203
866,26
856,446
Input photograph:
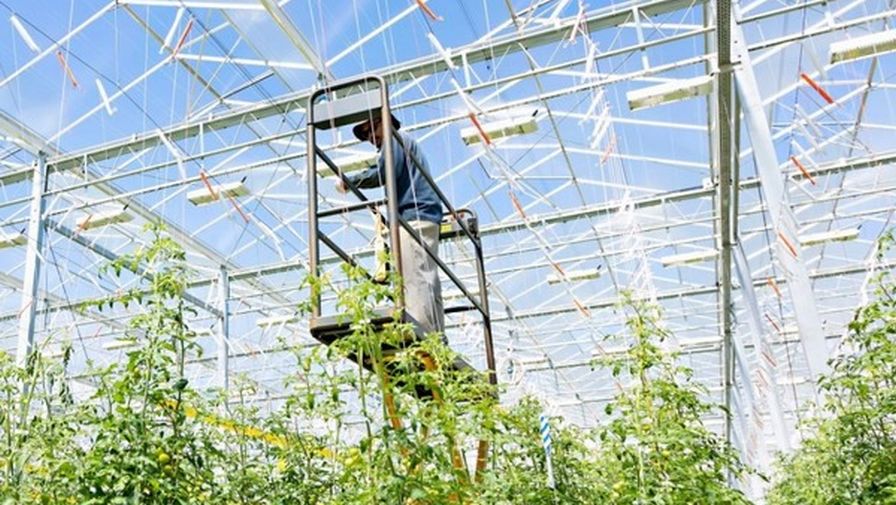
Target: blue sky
116,50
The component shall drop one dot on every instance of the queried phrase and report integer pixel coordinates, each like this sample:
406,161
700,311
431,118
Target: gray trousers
422,288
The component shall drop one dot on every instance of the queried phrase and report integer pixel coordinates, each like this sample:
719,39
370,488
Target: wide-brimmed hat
357,128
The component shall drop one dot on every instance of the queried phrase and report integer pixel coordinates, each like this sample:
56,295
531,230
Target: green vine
346,431
851,456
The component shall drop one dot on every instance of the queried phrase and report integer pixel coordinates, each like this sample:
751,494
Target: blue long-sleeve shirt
417,200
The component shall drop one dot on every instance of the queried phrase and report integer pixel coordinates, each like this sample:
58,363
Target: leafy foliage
343,434
656,449
851,458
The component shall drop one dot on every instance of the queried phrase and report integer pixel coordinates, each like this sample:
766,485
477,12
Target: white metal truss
793,143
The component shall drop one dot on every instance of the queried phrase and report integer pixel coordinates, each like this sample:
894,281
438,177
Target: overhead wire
146,116
561,273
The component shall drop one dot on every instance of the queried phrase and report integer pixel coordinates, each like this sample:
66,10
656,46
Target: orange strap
769,358
787,243
517,206
611,146
583,309
557,268
774,285
84,223
426,10
68,70
182,39
208,185
817,87
238,209
802,169
478,125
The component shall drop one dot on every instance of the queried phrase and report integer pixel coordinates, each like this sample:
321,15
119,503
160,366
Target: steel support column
723,157
787,246
223,337
32,261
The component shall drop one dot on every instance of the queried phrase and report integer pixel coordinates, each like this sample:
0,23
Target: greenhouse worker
420,208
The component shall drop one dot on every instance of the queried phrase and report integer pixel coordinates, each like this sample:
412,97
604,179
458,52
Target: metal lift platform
351,102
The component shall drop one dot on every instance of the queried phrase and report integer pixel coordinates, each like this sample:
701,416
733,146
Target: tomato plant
343,433
656,449
851,455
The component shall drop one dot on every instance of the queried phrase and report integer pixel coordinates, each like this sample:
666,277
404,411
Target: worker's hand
340,186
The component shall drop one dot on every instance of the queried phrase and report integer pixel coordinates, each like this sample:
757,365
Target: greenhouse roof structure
737,174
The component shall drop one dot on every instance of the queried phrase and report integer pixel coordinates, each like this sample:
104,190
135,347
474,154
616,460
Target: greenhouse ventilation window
688,258
104,218
862,47
534,362
575,275
668,92
829,236
502,128
277,320
213,193
347,164
124,343
12,240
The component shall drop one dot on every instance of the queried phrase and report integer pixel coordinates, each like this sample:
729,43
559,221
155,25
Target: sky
662,149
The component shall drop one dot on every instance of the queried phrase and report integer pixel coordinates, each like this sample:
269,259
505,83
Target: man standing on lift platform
420,208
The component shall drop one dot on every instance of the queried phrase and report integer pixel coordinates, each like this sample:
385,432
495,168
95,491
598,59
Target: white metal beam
787,246
296,38
480,51
760,339
33,261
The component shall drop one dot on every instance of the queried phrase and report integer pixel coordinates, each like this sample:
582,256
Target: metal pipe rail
345,107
